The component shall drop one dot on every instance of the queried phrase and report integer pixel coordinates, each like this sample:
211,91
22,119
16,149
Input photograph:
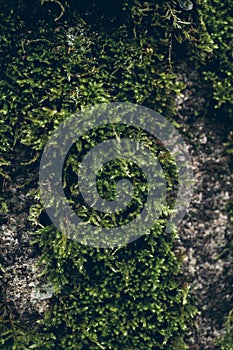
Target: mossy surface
131,298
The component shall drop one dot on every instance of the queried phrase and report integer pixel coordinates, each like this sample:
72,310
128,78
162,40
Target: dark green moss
132,298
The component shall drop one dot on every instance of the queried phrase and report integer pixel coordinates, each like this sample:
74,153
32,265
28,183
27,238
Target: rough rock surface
21,276
206,230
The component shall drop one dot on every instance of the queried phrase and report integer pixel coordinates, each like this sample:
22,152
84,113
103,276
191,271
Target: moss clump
218,19
226,341
131,298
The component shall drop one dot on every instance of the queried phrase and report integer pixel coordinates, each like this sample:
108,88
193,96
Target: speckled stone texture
206,230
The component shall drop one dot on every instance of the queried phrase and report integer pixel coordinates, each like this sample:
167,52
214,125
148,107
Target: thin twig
59,4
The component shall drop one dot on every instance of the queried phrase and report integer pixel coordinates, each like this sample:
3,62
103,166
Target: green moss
226,341
218,19
131,298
